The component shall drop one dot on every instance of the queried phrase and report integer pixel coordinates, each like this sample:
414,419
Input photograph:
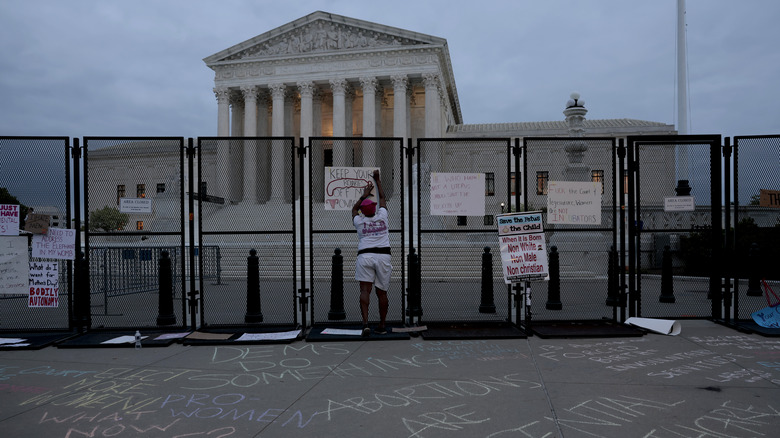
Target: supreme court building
327,75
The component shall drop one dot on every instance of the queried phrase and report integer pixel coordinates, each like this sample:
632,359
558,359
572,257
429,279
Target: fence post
612,278
667,280
487,305
754,280
253,313
554,286
337,287
165,315
414,298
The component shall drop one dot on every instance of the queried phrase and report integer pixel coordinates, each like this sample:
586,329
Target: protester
373,267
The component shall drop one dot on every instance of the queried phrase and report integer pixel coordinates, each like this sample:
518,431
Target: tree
107,219
7,198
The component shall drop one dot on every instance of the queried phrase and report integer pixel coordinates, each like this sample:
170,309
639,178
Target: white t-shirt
374,231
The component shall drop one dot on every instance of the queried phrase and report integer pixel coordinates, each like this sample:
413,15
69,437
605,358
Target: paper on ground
662,326
165,336
4,341
293,334
128,339
421,328
333,331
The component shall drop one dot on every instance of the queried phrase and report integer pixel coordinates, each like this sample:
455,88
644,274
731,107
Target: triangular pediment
319,33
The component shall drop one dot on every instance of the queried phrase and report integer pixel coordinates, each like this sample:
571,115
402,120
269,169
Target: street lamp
502,207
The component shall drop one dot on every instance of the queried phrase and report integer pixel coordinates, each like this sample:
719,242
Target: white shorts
374,268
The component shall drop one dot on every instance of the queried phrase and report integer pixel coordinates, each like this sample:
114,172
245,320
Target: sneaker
380,331
366,332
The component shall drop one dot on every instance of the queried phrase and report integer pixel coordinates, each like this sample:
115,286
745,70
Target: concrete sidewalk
710,381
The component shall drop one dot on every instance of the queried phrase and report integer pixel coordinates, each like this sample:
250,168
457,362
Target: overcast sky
135,68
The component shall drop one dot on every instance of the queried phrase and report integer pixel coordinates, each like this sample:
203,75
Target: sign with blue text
523,249
574,202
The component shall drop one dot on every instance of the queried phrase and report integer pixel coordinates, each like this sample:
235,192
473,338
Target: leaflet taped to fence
523,249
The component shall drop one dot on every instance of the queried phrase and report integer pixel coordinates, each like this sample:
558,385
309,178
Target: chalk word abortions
237,407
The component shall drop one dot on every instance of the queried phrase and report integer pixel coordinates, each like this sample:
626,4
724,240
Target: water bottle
137,339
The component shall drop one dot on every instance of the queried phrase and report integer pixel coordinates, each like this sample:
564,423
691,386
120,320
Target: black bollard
337,287
82,306
487,305
415,280
613,283
754,271
667,280
165,315
253,312
554,286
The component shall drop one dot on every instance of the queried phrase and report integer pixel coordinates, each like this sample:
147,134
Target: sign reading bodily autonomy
523,251
573,202
345,185
457,194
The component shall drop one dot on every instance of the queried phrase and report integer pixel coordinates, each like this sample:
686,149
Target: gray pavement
710,381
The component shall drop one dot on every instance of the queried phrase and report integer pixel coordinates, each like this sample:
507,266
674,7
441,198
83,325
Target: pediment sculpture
322,36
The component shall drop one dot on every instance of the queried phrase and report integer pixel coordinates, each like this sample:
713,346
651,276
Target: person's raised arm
380,193
366,194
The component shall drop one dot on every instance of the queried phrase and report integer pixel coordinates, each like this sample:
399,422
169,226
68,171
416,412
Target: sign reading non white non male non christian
523,249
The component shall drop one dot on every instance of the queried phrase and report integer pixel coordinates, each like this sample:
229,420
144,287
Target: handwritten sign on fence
59,243
13,265
345,185
574,202
44,284
457,194
9,220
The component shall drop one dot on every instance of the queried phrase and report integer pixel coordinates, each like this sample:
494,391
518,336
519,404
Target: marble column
339,88
369,85
237,121
307,109
432,105
400,83
223,111
262,114
250,146
223,146
277,130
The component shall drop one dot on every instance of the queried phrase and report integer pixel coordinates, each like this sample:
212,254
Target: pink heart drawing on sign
333,203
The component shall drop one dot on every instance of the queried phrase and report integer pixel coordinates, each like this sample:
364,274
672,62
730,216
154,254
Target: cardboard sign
37,223
9,220
572,202
457,194
345,185
13,265
44,284
768,317
523,248
59,243
135,205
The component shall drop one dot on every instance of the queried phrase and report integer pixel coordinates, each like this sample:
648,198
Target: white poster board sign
345,185
574,202
44,284
59,243
679,203
523,249
9,220
13,265
457,194
135,205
